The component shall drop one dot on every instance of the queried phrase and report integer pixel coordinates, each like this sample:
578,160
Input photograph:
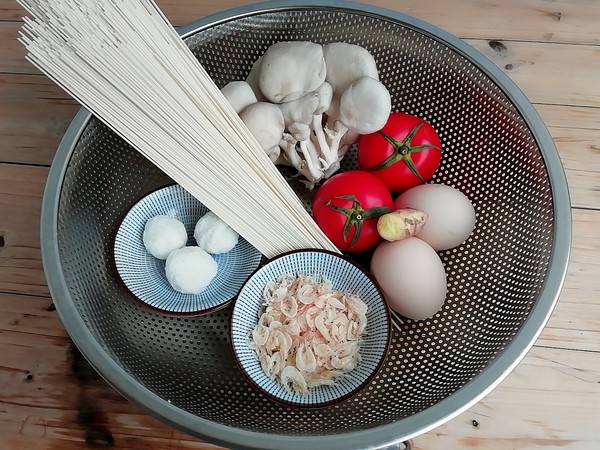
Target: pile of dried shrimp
308,334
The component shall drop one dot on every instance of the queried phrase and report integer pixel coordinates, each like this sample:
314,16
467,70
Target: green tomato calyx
355,215
403,151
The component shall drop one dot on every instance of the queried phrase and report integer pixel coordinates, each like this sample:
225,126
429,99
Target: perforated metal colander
502,283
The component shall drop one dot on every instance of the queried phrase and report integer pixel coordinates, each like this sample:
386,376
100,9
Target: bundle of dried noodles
125,63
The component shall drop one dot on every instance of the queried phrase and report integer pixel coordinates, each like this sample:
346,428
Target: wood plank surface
50,398
575,323
545,417
55,398
556,73
21,191
570,21
29,136
547,73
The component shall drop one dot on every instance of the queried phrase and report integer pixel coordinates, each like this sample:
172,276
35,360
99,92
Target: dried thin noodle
125,63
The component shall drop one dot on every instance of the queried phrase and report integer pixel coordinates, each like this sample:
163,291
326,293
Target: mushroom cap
346,63
239,94
300,131
325,94
265,122
252,80
300,110
365,106
290,70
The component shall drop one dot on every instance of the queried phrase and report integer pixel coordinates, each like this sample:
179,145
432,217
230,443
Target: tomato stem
403,151
355,215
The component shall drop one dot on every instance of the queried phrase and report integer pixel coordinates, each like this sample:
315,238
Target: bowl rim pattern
114,263
387,319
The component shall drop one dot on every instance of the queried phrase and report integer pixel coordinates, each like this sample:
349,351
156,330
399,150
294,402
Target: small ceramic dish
144,275
344,276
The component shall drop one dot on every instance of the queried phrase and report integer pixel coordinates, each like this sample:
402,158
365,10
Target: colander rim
372,438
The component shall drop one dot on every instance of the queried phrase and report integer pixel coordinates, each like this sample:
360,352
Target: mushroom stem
317,125
311,158
335,136
304,166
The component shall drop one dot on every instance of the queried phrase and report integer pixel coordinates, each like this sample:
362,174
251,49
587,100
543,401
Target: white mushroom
305,136
300,131
239,94
351,137
265,122
365,106
328,96
252,80
290,70
293,149
325,94
300,110
357,95
346,63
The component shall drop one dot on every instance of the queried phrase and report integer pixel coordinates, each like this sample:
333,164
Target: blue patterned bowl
345,276
144,275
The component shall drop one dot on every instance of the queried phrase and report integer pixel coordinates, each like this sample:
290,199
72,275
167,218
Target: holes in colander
494,277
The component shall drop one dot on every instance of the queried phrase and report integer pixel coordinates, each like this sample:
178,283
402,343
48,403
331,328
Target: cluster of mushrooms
306,104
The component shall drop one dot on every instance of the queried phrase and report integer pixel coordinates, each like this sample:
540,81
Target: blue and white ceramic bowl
144,275
345,276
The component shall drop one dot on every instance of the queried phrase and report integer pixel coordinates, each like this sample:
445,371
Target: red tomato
406,152
347,206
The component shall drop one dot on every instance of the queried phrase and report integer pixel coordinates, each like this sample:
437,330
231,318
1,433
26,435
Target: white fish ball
163,234
190,269
213,235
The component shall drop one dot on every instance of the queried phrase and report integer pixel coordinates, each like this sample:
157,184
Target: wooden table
51,399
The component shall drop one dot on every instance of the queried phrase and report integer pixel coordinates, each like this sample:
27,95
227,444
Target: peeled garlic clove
401,224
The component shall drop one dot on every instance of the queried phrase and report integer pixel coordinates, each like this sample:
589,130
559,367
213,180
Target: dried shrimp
308,334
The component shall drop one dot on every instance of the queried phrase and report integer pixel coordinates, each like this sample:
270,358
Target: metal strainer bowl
502,283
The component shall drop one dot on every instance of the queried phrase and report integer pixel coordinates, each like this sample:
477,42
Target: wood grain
548,73
575,323
51,399
27,134
21,191
528,20
579,150
542,417
53,396
12,57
